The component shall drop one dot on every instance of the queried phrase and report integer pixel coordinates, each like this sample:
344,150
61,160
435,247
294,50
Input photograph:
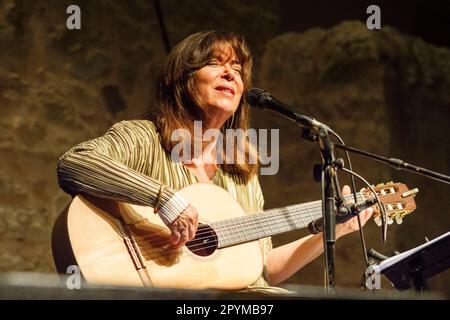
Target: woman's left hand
351,225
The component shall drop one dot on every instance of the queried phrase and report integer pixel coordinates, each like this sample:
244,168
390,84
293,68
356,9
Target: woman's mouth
226,89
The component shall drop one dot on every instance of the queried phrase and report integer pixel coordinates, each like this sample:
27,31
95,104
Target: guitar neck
268,223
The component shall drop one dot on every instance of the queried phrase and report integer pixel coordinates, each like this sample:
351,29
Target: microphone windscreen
254,96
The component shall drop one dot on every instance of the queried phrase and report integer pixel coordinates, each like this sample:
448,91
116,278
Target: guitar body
92,234
116,243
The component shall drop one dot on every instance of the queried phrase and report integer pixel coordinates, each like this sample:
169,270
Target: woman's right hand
184,227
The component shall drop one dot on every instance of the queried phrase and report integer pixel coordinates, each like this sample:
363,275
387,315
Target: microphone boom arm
398,164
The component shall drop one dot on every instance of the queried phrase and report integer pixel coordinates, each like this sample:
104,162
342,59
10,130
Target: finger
176,236
184,238
369,212
195,224
191,233
346,190
191,219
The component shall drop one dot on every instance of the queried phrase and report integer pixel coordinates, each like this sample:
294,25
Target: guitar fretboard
270,222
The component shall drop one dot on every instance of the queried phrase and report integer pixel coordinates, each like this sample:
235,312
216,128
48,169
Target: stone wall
382,91
59,87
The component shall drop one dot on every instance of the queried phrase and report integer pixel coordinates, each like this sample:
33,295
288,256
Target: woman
203,79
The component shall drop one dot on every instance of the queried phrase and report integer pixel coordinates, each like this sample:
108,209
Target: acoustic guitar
117,243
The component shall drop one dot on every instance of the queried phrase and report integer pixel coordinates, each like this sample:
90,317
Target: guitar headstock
397,199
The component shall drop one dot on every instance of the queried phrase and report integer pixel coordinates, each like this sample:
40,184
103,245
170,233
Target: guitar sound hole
205,241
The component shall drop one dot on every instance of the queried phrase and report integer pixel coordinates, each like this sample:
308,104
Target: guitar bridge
135,252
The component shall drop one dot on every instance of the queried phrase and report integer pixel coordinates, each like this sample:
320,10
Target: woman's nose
228,72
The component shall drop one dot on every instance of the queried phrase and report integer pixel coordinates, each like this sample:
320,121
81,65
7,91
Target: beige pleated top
128,163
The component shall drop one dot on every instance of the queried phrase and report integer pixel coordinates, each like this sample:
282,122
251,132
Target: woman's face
218,86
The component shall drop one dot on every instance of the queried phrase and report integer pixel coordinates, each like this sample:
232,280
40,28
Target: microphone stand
398,164
330,185
331,190
331,196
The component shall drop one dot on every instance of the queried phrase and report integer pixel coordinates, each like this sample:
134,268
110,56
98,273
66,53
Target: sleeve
110,166
265,243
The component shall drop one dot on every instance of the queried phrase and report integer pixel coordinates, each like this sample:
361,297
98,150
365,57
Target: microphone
376,255
264,100
345,213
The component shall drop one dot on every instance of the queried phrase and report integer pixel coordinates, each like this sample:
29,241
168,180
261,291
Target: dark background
425,19
385,91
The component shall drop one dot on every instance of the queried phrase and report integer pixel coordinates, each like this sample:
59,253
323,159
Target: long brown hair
176,108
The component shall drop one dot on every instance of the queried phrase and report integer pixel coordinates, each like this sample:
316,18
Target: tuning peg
380,185
377,220
412,192
390,220
398,218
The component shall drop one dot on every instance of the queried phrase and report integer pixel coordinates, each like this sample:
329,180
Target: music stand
415,266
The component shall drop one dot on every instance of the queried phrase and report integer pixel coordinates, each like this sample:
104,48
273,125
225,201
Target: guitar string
195,248
247,225
199,246
235,221
295,209
207,235
191,251
298,212
304,209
